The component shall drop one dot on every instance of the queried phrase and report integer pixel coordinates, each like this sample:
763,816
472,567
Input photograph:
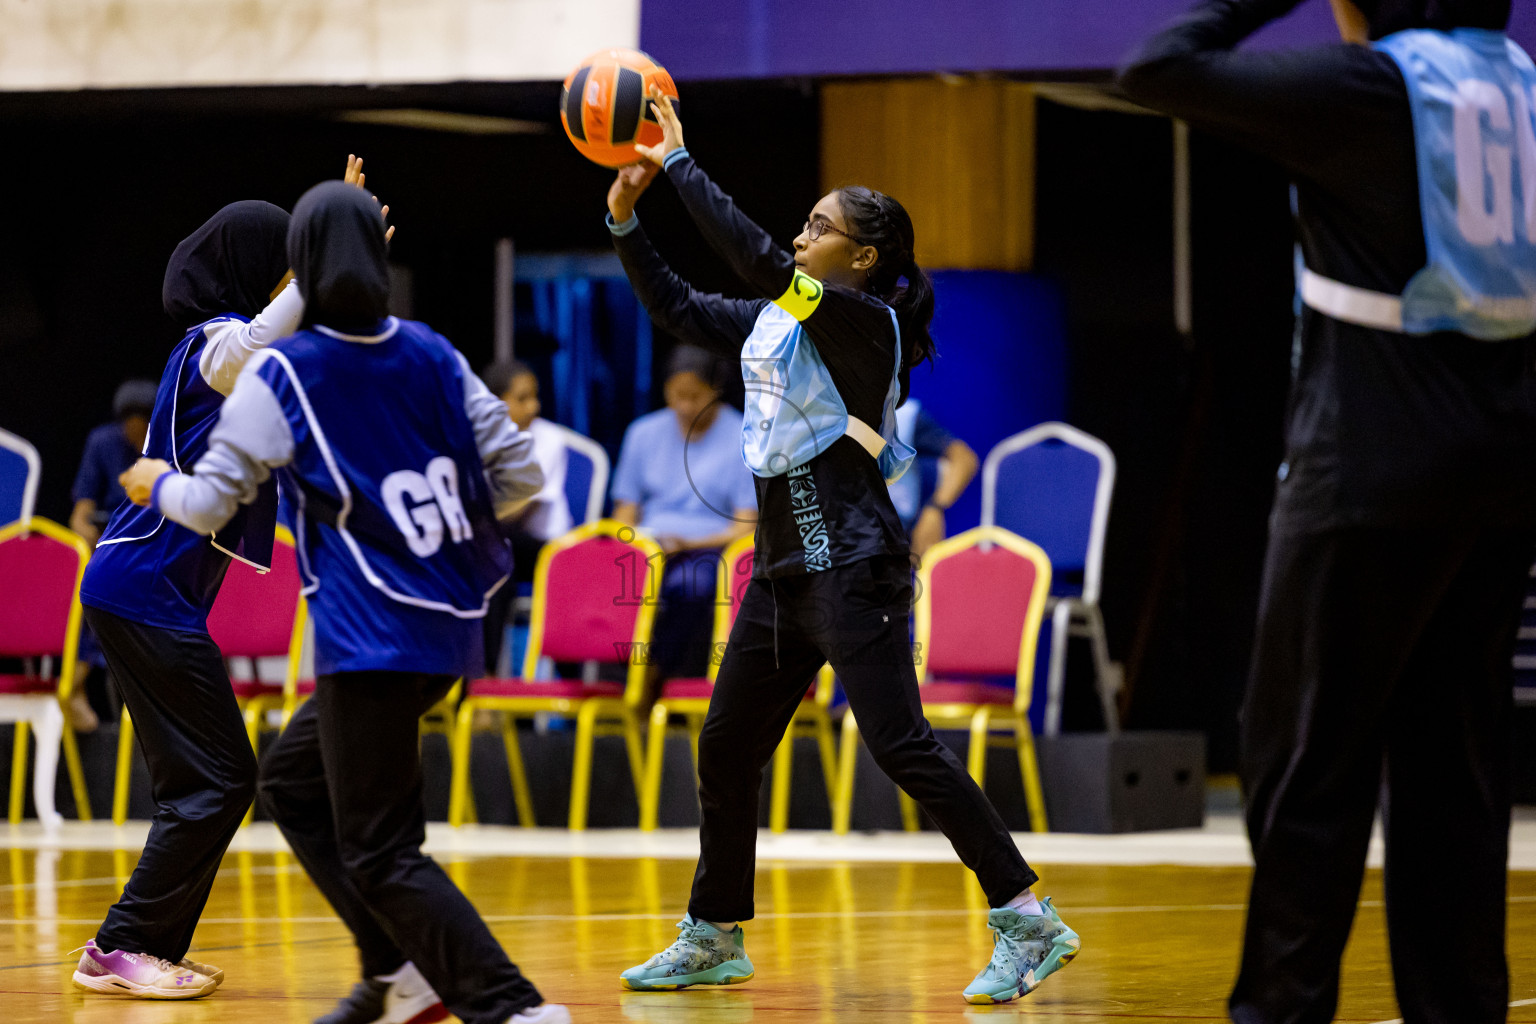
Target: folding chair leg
124,768
458,785
655,754
76,774
1056,674
47,734
909,821
1106,672
847,759
695,730
634,749
828,750
1029,767
18,770
251,712
520,794
783,772
976,756
581,770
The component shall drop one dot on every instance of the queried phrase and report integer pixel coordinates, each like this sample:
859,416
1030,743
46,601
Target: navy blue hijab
337,251
229,265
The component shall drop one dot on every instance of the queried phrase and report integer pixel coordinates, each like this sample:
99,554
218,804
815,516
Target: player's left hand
354,176
671,128
139,479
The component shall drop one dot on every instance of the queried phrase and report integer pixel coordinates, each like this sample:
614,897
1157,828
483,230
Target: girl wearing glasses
825,354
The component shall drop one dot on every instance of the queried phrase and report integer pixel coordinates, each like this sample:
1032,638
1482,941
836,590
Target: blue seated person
921,510
681,479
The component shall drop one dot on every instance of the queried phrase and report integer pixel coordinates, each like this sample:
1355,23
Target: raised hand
355,176
671,128
627,187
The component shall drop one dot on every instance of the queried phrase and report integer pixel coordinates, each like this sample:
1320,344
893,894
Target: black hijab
336,249
1388,16
229,265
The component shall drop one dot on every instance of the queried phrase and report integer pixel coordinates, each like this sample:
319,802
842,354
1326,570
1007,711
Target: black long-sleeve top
836,509
1383,428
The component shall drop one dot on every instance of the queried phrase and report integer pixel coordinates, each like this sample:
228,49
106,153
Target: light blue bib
793,412
1473,93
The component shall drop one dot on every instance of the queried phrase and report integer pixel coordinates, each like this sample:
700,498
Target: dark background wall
1195,422
103,185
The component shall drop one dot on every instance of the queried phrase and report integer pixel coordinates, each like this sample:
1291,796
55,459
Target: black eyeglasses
814,229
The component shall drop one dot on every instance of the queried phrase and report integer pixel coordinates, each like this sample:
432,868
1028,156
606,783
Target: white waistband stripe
1350,304
868,437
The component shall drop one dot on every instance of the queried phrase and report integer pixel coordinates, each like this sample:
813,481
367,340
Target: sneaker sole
708,977
112,985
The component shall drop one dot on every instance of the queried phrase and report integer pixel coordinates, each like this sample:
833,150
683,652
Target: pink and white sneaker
138,974
206,970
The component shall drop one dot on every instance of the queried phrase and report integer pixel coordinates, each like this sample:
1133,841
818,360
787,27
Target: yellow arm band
802,296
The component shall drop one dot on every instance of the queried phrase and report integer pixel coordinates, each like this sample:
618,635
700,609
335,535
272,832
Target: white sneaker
544,1013
403,997
409,999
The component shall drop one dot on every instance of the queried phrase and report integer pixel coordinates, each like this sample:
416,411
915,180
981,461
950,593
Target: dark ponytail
876,219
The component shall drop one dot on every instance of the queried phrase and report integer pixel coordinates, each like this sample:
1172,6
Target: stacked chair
41,563
689,698
982,597
594,601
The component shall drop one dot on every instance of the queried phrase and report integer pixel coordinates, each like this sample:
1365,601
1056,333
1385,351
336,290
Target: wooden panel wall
958,153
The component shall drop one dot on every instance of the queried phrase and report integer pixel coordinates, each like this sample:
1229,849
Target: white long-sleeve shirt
231,343
253,437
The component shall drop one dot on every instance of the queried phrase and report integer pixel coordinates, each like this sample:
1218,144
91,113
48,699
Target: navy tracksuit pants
201,770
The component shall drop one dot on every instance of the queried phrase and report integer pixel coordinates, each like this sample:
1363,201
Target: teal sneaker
702,955
1027,950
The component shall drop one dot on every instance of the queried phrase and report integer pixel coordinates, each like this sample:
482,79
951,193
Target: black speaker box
1123,782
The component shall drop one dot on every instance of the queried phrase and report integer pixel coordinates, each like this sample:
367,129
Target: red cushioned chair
981,599
41,564
256,615
594,600
690,699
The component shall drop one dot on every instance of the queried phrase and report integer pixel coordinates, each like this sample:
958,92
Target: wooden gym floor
844,932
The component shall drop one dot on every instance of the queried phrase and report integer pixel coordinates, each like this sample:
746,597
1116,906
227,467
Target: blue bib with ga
793,411
393,517
155,572
1473,94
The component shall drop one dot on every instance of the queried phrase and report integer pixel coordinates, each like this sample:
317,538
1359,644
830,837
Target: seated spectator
109,450
547,515
937,448
680,478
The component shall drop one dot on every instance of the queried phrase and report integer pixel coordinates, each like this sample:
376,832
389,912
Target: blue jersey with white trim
396,533
1473,94
155,572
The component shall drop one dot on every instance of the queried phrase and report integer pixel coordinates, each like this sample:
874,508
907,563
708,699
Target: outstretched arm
251,439
700,318
749,250
1297,107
